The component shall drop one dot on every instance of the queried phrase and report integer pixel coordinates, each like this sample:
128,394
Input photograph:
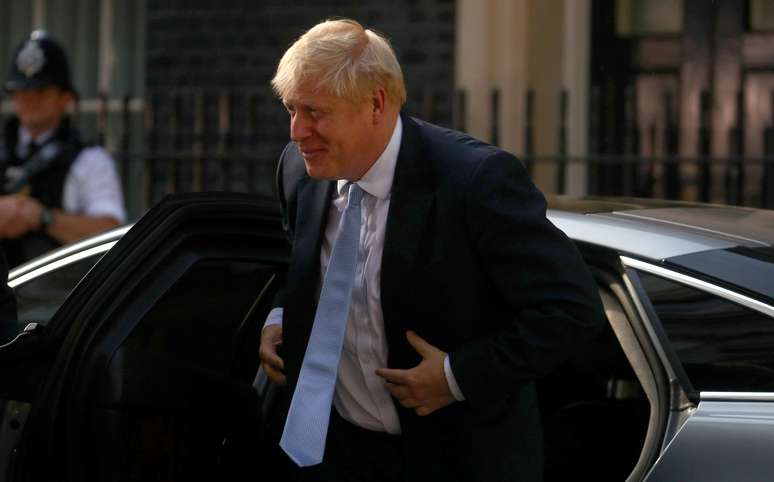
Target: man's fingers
275,375
424,411
398,377
272,359
398,391
404,395
271,333
271,337
273,365
419,344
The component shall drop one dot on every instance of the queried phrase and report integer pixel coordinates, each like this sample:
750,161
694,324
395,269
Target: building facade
666,98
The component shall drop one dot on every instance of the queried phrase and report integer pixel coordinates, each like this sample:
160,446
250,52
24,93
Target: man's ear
378,104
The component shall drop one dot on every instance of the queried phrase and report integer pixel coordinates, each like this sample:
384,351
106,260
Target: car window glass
199,315
722,346
40,297
182,351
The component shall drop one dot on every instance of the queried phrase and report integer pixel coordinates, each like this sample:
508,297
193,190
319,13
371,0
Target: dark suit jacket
472,265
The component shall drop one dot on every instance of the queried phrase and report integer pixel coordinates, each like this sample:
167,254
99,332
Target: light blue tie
307,424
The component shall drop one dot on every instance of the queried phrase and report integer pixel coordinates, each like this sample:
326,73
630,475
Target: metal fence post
529,132
460,110
704,148
562,161
767,188
631,145
495,119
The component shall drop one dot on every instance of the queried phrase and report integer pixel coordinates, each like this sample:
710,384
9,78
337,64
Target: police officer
55,188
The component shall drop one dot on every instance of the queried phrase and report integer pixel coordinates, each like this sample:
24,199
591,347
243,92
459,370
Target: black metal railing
197,140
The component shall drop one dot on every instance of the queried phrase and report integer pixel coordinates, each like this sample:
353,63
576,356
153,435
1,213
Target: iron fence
197,140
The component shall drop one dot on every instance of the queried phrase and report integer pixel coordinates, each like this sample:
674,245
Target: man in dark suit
463,292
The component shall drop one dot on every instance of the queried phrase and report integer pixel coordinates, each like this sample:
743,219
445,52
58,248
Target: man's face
335,136
41,109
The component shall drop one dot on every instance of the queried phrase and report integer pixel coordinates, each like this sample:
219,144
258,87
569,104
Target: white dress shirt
360,396
92,186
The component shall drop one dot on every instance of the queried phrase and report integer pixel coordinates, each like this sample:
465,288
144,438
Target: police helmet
37,63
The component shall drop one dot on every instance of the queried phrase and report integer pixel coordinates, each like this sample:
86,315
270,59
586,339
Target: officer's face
335,136
41,109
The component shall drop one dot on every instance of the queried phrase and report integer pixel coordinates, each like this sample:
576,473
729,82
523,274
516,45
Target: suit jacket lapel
411,207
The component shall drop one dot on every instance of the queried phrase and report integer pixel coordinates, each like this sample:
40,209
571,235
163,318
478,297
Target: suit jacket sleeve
285,180
537,272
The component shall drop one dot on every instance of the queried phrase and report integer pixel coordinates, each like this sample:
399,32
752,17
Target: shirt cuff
455,389
274,317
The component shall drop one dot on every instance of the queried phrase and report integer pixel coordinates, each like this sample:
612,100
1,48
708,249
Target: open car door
146,371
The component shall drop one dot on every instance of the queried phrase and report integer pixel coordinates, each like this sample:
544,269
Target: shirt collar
377,181
25,137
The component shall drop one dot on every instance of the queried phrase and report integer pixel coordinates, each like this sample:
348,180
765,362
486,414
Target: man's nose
300,128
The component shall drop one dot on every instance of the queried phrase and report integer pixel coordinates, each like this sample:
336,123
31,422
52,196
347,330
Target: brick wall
210,62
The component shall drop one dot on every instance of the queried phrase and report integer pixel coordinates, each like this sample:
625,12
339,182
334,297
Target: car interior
603,409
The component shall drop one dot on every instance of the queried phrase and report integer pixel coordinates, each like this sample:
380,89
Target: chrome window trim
736,396
721,292
98,240
35,273
647,323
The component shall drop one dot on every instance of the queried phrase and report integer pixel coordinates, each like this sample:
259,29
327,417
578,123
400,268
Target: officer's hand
424,387
271,338
29,213
18,215
9,206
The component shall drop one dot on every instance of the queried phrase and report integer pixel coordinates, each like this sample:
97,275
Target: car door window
41,296
199,315
722,346
179,384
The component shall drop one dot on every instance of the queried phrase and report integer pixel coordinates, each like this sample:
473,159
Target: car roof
660,229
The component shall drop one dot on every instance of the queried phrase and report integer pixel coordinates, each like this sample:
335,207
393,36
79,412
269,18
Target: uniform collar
25,138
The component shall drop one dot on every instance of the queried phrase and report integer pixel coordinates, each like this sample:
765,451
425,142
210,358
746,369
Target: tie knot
355,194
32,148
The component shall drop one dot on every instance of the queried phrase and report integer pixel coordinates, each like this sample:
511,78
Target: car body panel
647,239
721,441
747,224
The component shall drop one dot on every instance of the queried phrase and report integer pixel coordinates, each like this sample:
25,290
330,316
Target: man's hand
29,212
18,215
424,387
9,207
271,338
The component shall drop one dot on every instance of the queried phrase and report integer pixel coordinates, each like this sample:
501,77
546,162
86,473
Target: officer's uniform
56,168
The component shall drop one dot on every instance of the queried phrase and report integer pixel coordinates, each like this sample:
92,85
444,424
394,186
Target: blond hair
341,58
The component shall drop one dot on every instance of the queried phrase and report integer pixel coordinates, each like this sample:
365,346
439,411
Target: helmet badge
30,59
